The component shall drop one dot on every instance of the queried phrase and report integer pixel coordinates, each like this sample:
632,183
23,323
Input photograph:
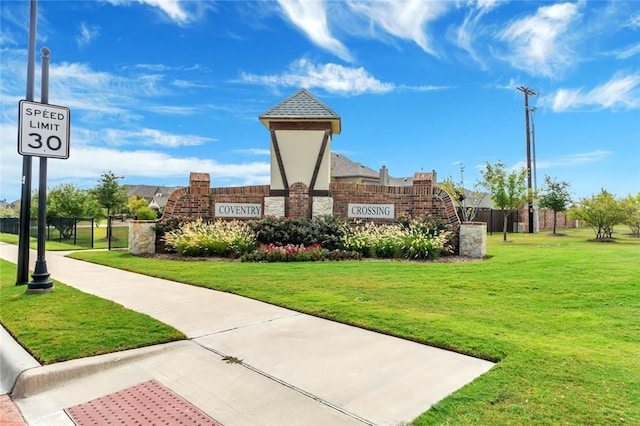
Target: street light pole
41,282
528,92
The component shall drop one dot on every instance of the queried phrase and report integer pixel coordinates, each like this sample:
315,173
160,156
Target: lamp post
41,282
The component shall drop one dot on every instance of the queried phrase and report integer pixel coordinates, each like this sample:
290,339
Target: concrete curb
37,380
14,361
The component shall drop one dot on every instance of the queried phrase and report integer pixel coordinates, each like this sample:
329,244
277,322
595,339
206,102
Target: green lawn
560,314
68,324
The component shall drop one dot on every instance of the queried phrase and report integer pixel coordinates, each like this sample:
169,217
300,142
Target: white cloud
471,29
173,9
333,78
621,92
311,18
574,159
86,163
403,19
87,34
253,151
628,51
539,44
154,137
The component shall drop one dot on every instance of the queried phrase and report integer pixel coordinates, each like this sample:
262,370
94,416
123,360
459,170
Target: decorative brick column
299,203
142,237
473,239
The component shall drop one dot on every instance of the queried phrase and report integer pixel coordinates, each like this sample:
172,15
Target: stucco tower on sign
301,129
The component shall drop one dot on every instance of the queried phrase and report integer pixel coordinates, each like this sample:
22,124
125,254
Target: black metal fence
117,232
77,231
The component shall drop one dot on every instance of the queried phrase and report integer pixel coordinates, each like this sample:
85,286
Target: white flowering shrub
217,238
412,240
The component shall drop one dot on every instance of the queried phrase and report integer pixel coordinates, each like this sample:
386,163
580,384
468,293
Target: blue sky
161,88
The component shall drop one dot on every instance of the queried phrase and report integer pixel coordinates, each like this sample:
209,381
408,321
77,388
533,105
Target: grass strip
559,313
67,323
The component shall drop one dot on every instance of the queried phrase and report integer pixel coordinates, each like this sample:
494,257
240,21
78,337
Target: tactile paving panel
148,403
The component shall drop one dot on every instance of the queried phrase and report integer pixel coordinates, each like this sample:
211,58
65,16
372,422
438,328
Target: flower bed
322,238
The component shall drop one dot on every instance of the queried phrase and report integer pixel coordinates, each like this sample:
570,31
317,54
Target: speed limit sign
43,130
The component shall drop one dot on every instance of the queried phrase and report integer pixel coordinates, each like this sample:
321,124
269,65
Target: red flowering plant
288,253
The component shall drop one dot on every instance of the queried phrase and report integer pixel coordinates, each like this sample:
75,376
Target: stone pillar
274,206
142,237
322,206
473,239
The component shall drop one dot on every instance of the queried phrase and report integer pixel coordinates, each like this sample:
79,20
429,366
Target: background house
156,196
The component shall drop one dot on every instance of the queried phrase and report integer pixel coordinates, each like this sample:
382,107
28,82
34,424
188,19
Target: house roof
301,106
341,166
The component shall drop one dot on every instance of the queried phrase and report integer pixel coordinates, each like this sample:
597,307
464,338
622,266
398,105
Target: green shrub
324,230
146,213
217,238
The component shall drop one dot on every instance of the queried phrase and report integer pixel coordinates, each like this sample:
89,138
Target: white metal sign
371,211
43,130
245,210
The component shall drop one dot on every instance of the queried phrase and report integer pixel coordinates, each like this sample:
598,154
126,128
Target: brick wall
410,201
545,220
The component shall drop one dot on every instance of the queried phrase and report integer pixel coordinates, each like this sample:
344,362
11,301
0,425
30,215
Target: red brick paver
9,413
148,403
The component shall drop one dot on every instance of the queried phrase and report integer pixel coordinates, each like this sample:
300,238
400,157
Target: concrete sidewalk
296,369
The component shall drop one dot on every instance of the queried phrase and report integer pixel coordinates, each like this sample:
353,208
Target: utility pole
527,92
25,199
536,217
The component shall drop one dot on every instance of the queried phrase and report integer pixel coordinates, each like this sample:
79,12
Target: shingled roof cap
302,106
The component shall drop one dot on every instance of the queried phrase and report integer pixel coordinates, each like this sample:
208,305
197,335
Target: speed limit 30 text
35,123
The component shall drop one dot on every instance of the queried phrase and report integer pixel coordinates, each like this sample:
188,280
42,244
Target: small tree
465,200
602,212
146,213
508,191
555,196
135,203
631,206
109,193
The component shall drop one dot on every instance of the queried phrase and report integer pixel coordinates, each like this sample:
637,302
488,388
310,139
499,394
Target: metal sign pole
41,282
25,200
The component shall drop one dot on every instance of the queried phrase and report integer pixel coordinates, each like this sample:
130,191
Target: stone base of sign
274,206
142,237
473,239
322,206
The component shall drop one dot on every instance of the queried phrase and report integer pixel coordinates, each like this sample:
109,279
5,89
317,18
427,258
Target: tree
602,212
465,200
508,191
555,196
139,207
71,203
631,206
146,213
66,200
135,203
109,193
6,211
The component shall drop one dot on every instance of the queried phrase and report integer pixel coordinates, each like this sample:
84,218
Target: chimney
384,176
